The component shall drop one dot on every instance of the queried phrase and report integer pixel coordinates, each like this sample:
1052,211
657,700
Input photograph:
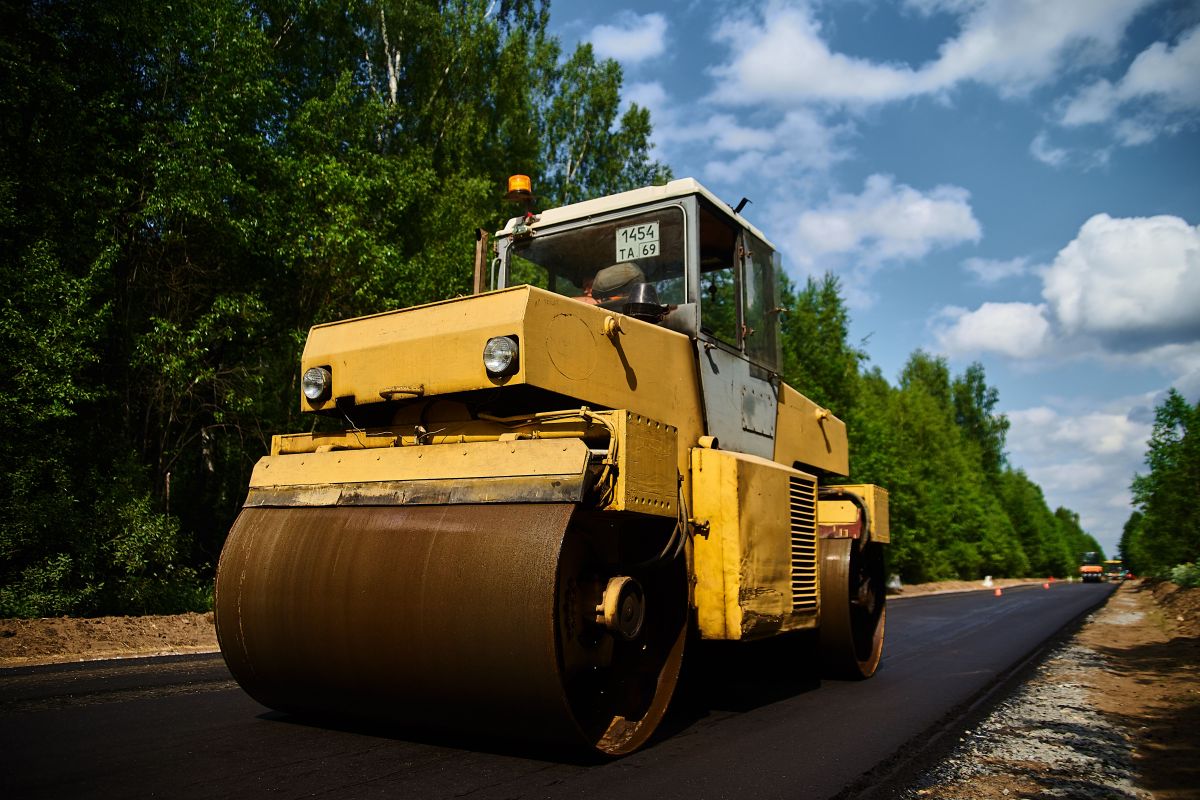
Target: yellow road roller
524,502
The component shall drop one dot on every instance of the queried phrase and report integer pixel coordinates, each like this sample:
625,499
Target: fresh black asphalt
747,724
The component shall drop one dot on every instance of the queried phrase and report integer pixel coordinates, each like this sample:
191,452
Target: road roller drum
470,618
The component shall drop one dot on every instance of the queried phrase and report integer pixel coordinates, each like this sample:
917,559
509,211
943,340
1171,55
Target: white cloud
1160,86
930,7
800,141
1138,130
727,134
1017,330
635,38
1133,283
1045,431
1084,459
1041,149
647,94
1084,158
988,270
1188,370
1180,362
886,222
1072,476
778,53
1016,46
782,57
1125,291
1094,103
796,142
1169,73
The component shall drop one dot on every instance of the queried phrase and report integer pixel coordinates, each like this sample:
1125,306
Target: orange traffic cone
1046,585
998,592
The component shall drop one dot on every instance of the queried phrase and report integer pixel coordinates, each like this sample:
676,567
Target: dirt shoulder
29,642
942,587
1150,685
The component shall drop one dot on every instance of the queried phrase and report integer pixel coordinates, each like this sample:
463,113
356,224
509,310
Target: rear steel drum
853,608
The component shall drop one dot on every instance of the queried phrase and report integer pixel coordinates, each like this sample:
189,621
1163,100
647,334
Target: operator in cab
612,283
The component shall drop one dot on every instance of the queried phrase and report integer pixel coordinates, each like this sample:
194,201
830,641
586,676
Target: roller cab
514,507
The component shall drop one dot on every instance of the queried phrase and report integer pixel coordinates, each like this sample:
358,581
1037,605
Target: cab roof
681,187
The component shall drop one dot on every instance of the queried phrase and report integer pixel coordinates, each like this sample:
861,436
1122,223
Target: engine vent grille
803,502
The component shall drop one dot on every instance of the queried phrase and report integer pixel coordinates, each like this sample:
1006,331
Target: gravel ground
1046,741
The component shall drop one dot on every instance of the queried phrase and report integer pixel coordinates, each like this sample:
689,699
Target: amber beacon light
519,188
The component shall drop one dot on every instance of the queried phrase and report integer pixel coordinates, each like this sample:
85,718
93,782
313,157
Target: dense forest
185,188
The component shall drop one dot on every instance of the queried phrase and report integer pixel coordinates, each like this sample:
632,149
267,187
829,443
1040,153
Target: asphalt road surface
743,728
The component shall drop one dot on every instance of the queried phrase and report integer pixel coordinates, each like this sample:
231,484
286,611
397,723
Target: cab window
597,262
760,329
737,288
718,277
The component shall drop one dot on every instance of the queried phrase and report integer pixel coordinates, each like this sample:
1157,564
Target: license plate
637,241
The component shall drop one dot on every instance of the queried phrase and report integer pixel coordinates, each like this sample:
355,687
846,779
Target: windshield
599,263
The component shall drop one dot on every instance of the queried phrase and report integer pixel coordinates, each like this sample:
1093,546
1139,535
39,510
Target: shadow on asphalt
378,729
717,678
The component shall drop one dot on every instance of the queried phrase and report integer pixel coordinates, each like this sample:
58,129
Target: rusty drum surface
464,618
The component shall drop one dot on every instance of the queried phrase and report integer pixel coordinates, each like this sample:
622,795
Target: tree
1130,544
76,529
1033,523
818,359
1169,530
946,521
928,374
587,152
975,414
1074,540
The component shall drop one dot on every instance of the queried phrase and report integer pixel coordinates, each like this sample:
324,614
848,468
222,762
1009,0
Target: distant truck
1091,568
1114,570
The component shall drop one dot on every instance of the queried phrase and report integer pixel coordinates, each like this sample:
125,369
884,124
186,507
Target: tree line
186,188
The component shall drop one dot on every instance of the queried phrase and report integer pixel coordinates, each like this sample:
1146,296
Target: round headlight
500,355
316,383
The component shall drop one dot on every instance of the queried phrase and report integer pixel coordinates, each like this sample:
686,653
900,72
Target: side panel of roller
756,564
808,435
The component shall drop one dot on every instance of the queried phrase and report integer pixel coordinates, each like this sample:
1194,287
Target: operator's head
617,280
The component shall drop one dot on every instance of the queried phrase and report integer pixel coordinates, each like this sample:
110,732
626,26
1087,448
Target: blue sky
1010,182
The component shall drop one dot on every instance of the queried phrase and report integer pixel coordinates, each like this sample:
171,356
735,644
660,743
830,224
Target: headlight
500,355
316,383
